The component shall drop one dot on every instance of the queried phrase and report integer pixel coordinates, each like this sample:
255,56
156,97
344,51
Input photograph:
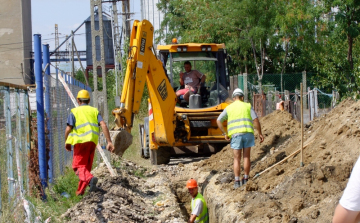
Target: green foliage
294,35
66,183
56,204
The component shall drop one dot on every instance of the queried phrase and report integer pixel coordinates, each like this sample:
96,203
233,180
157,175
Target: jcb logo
143,44
162,90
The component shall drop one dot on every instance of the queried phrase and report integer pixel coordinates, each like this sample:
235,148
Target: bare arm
106,132
343,215
221,127
192,218
181,80
203,78
257,126
67,132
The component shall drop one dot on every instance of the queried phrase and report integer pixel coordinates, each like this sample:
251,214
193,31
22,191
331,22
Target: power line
5,44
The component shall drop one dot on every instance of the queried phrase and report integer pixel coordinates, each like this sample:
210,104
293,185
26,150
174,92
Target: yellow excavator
172,127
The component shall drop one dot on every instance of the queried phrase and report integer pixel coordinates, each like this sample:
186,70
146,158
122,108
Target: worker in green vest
241,121
199,210
82,132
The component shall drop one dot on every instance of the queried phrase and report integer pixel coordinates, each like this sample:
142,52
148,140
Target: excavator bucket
121,140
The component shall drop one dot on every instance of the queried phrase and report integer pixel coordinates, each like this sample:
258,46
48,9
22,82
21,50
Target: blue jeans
242,141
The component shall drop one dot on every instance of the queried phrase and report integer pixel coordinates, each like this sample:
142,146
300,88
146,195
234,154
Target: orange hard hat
191,183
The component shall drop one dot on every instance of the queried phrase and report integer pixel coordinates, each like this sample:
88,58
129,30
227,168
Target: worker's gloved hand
110,147
68,147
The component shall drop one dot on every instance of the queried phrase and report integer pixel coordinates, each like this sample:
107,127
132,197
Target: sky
68,14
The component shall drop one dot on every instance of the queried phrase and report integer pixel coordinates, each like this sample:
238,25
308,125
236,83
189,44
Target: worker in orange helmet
199,210
82,132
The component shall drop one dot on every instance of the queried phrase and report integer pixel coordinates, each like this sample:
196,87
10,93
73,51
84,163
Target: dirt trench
137,194
286,193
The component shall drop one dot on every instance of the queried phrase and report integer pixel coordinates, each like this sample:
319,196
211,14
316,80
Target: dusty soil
286,193
128,198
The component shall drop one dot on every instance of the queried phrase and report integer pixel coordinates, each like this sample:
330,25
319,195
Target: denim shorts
242,141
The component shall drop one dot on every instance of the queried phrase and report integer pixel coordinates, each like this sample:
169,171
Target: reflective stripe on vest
86,127
239,118
204,216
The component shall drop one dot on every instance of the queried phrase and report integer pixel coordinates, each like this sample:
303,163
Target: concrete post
304,88
246,96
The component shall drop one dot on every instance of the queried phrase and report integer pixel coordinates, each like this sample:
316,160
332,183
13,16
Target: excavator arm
143,66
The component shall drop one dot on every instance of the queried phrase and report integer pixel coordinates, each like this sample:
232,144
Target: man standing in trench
241,120
82,132
199,210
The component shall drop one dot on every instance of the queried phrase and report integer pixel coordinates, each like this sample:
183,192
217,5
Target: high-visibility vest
204,216
86,127
239,118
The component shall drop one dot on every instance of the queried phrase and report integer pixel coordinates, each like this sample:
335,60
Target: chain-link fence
19,161
15,147
277,87
61,106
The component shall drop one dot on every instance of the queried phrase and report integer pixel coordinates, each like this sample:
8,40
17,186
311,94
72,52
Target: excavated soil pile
127,198
288,192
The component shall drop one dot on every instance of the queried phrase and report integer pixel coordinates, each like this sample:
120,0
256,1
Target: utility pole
142,9
117,47
67,53
72,55
100,98
56,43
126,18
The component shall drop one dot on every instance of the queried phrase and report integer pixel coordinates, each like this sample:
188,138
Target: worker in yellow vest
82,132
241,121
199,210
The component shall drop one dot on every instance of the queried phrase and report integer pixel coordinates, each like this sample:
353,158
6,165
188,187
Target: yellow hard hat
83,94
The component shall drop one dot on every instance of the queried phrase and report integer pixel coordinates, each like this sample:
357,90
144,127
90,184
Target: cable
5,44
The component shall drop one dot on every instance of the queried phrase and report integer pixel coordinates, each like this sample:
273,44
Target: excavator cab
209,59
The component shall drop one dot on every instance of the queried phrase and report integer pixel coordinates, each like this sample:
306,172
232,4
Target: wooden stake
283,160
302,125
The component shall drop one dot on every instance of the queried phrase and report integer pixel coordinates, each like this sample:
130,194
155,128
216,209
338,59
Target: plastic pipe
46,55
40,109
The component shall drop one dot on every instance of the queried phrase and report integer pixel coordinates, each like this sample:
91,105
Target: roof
191,47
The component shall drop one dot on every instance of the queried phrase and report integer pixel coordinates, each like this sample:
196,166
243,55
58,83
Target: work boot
237,184
92,184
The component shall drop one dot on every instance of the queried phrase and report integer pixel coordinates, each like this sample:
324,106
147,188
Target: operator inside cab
192,79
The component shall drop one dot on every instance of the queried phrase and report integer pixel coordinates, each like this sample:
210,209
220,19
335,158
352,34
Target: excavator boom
168,127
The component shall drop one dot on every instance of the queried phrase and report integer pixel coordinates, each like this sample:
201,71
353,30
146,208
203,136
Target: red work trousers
82,163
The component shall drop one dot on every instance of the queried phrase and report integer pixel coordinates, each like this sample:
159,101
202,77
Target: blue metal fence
51,110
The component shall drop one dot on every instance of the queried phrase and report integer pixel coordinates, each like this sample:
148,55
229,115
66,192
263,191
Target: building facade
15,42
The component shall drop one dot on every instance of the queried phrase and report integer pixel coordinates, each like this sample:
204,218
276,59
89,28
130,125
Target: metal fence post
46,65
9,151
18,137
40,110
27,133
58,121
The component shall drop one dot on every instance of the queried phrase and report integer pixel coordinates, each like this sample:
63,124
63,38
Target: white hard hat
238,92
